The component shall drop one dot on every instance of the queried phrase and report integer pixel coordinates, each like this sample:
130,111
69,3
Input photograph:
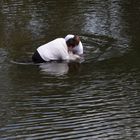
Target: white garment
54,50
77,49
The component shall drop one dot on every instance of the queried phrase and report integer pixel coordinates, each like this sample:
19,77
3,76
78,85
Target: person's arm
78,50
73,57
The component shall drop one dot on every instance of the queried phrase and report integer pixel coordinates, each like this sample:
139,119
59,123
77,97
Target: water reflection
102,18
58,69
97,99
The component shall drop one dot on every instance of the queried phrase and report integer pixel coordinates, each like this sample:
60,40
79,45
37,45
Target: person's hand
74,57
77,57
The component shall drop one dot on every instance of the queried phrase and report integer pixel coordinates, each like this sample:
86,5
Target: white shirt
54,50
77,49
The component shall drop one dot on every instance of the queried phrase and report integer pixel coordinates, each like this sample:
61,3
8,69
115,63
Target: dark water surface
98,99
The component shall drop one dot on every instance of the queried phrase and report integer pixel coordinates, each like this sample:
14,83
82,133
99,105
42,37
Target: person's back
54,50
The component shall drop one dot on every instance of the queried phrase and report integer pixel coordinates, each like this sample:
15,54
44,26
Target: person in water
78,49
68,48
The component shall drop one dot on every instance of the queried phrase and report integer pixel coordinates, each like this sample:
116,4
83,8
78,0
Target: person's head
72,42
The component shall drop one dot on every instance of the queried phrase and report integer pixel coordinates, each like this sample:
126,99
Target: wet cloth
54,50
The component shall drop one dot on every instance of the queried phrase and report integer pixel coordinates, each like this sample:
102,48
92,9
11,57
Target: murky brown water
98,99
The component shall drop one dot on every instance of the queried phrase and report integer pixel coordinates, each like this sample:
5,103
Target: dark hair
73,41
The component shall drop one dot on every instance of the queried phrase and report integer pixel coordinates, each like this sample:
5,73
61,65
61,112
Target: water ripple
97,99
76,117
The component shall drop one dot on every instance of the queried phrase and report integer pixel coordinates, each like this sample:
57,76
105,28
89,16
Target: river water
97,99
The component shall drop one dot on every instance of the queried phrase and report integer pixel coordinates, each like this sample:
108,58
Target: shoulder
60,40
78,49
69,36
79,46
